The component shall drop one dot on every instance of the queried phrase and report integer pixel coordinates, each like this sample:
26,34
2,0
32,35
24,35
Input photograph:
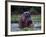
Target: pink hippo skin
24,21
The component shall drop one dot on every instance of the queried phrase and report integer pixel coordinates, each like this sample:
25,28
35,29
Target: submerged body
25,20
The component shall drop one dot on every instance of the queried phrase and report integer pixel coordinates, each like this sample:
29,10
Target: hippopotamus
25,20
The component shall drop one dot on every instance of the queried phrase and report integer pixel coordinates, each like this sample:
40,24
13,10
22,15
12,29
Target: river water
15,27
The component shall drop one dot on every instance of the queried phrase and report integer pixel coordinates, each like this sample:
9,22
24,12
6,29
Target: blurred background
16,12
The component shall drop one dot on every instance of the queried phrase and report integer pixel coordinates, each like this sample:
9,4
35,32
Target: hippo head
27,14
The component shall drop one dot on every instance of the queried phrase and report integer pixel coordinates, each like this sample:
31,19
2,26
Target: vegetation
16,18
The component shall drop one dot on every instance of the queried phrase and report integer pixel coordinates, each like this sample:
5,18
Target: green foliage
21,9
33,17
